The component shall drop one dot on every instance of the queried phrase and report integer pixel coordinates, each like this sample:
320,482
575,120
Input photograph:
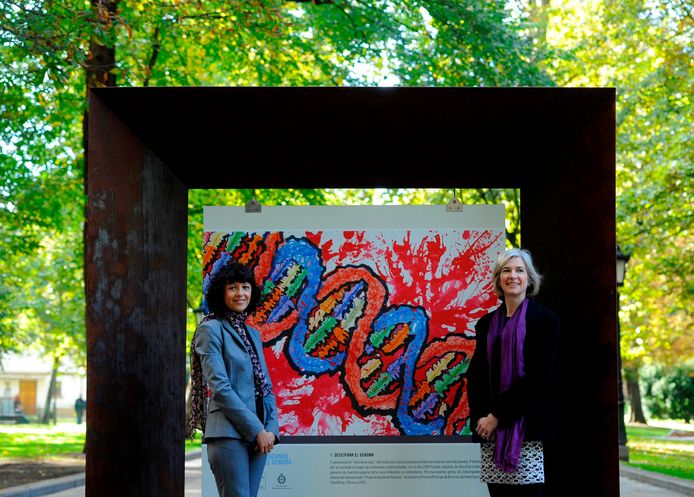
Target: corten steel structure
148,146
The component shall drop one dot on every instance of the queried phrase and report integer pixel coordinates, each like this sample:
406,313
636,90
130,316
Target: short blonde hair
534,278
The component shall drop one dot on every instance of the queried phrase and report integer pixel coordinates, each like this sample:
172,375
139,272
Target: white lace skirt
531,468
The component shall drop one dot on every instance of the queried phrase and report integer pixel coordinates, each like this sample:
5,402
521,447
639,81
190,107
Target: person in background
239,422
509,381
80,406
6,403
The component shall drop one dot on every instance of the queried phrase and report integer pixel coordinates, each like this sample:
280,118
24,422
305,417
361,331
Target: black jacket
530,395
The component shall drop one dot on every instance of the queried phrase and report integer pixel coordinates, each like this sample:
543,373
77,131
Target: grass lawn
651,449
36,441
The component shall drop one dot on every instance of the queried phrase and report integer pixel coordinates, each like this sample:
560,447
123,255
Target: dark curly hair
234,272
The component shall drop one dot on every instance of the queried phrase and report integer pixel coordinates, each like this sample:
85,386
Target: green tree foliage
655,178
51,51
43,301
644,50
41,184
670,391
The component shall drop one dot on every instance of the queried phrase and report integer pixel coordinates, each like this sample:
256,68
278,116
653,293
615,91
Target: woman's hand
486,427
266,441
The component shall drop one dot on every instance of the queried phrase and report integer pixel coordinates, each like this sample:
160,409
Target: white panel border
310,218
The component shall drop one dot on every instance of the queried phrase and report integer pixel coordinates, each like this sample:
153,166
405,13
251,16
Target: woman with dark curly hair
509,381
239,423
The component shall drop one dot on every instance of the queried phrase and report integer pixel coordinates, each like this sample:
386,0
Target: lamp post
622,259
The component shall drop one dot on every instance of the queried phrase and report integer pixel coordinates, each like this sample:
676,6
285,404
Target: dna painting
367,332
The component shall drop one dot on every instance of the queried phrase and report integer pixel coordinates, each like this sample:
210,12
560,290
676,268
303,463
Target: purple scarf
509,438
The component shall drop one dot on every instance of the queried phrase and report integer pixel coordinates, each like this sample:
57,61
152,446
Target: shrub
669,392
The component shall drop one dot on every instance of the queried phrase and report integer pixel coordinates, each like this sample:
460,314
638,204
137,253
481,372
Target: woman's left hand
266,441
486,427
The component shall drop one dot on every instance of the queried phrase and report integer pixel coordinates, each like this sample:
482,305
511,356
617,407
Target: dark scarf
197,418
509,439
238,321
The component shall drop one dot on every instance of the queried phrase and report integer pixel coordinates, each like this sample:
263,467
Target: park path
629,487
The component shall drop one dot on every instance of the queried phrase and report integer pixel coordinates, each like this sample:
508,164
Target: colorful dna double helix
339,322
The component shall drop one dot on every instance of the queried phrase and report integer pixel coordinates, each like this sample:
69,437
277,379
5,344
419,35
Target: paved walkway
632,483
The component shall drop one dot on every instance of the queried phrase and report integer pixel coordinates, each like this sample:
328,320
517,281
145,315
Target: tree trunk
101,61
539,17
46,417
632,377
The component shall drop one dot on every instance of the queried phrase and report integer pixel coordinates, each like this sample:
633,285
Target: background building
27,378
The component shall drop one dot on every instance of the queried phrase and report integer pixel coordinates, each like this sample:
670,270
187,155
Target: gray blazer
227,369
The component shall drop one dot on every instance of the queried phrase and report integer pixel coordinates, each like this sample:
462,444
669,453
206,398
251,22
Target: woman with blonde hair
510,379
